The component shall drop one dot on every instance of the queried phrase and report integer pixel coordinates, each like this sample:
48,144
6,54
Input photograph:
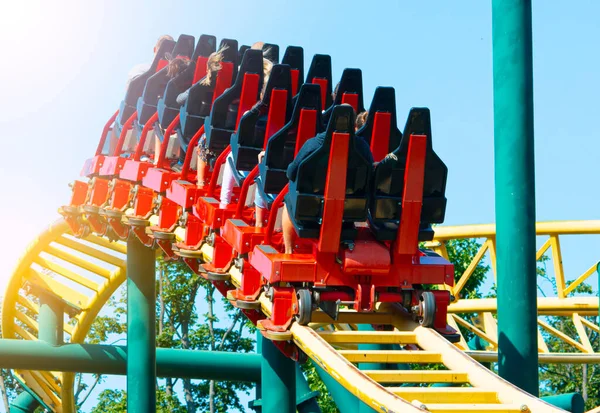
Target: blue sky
65,64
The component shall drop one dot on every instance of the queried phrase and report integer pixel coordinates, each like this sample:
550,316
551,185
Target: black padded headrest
242,50
277,156
312,176
136,86
351,82
294,57
207,44
271,52
384,100
320,67
252,62
280,78
184,46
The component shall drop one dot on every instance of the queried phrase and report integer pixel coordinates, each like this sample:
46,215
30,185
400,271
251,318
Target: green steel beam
278,380
571,402
51,320
515,193
112,360
24,403
306,400
345,401
141,329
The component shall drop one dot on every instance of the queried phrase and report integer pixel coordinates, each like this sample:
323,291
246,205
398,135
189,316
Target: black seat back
305,198
294,58
200,98
282,147
136,86
168,108
320,74
274,111
242,50
386,202
271,52
240,97
157,83
381,128
350,91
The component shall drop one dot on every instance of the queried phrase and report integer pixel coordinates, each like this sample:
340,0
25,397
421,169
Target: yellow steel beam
445,394
473,408
387,356
371,337
479,376
581,278
417,376
345,373
92,252
545,305
541,228
71,275
79,261
68,294
544,358
562,336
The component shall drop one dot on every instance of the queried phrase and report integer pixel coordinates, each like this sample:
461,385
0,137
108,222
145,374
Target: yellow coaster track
85,273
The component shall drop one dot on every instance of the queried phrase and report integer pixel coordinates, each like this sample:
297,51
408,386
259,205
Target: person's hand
261,155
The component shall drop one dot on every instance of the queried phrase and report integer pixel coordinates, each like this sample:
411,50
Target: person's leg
201,172
288,231
261,208
227,184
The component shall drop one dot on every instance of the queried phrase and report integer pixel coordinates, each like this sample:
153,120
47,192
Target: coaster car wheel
427,308
304,306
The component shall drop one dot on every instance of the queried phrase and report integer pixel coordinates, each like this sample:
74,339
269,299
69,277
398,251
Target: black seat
350,91
168,108
241,52
294,58
157,83
305,198
271,52
386,202
282,147
136,86
381,128
196,108
320,73
221,122
250,137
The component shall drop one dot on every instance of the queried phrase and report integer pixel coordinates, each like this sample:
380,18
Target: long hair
213,65
176,65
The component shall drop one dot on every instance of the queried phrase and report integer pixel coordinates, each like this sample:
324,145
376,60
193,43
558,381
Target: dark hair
335,91
177,65
361,119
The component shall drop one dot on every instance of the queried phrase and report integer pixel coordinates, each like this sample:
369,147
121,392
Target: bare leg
288,231
261,214
202,166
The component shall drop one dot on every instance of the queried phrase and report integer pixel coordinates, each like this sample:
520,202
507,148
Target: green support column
515,193
141,330
571,402
51,320
24,403
345,401
278,378
306,399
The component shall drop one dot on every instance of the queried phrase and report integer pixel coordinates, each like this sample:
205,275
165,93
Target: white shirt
136,71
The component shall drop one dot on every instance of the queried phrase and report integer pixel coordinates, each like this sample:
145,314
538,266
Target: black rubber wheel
428,307
304,307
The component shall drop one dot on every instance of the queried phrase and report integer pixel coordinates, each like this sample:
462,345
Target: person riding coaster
329,238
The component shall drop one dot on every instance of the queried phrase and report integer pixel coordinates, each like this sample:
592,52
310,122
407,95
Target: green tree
115,401
179,325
